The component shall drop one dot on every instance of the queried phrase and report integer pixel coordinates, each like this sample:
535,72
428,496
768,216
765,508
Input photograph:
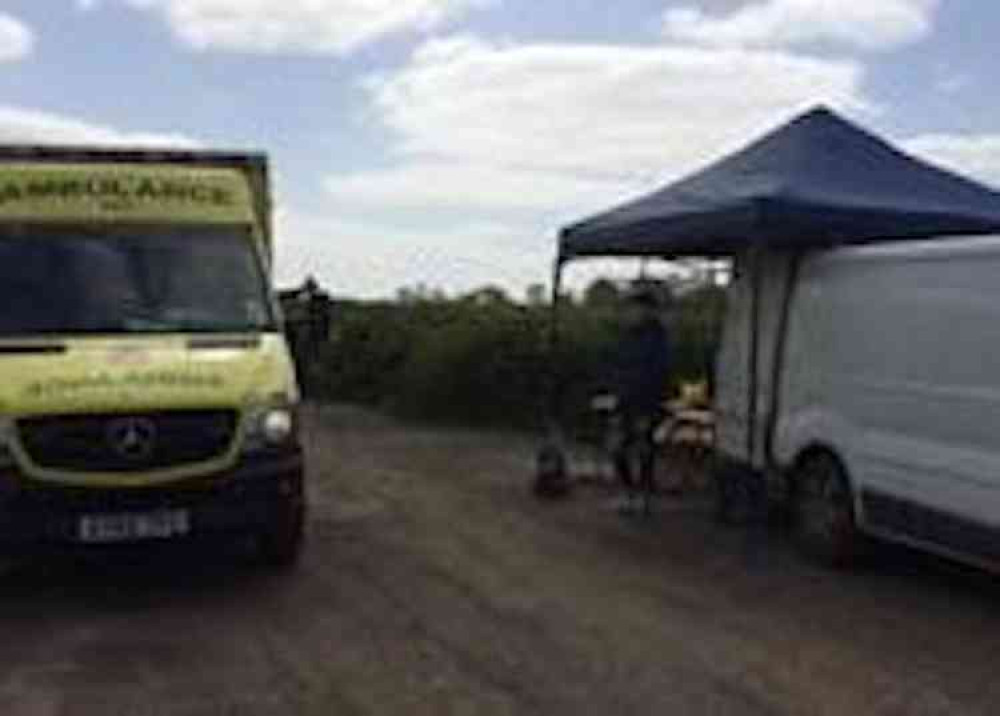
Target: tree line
481,358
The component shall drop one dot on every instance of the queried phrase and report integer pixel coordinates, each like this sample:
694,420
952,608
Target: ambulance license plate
133,526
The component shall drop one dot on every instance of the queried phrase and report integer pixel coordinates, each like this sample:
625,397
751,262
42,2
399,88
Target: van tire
824,520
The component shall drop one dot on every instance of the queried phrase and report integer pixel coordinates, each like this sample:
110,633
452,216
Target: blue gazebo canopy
817,181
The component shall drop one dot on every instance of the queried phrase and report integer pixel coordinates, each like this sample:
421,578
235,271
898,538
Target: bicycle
678,437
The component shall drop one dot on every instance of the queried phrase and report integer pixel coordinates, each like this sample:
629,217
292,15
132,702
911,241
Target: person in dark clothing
642,377
308,323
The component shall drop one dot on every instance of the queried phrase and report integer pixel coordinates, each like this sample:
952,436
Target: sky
444,142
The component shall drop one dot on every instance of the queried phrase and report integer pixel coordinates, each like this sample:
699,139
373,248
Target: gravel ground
435,584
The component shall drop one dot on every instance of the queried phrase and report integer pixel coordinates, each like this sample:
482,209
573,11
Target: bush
485,366
484,360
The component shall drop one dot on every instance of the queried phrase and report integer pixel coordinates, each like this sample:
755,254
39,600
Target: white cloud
865,24
371,260
19,125
977,155
524,137
560,129
16,39
473,188
366,259
293,26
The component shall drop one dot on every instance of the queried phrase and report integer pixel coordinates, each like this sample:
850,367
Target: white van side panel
894,361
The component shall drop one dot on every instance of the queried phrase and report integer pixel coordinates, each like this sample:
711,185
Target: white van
886,420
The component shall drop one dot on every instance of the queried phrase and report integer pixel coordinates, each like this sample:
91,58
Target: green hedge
483,360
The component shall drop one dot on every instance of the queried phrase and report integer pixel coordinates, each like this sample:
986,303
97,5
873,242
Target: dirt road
434,584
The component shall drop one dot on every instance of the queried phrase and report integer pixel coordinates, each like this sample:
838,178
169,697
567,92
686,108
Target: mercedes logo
132,438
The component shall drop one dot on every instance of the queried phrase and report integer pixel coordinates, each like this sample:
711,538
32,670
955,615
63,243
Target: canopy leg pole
552,477
780,358
756,265
554,406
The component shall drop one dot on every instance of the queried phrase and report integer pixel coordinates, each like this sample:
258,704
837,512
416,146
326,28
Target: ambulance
146,391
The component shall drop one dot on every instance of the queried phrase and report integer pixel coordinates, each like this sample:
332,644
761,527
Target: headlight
277,426
270,427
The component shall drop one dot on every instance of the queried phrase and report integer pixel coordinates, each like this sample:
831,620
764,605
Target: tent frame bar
780,358
753,356
554,402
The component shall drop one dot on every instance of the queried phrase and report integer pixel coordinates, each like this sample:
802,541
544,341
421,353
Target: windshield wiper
208,327
31,349
224,343
142,327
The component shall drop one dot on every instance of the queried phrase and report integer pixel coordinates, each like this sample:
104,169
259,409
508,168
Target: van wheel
825,526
